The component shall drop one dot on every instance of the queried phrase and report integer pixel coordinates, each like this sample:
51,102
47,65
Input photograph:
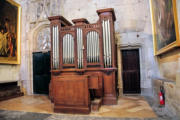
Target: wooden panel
95,80
41,72
71,90
110,96
131,71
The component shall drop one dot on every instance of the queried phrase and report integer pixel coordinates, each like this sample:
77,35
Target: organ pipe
80,47
68,49
55,46
93,47
107,43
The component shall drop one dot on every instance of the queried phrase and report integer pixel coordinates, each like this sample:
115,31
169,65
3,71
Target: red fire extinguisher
162,96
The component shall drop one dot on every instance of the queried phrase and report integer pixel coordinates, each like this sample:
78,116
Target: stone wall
169,65
132,27
34,31
172,103
10,72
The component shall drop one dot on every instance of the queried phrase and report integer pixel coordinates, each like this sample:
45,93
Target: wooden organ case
83,63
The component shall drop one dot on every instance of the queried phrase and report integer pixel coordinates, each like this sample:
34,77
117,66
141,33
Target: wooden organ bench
83,63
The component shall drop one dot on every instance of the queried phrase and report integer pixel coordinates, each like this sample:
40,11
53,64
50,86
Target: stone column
119,59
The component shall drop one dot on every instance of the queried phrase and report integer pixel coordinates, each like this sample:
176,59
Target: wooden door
131,71
41,72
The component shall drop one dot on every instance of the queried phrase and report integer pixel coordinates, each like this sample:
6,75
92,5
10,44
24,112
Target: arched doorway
41,62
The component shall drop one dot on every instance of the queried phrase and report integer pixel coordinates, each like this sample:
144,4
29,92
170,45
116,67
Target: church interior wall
169,66
133,28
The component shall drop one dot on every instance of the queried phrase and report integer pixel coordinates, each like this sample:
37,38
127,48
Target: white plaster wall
10,72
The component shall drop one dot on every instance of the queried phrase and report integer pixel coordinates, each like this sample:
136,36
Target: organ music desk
83,63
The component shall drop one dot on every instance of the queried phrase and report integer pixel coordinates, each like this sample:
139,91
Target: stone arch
32,48
41,36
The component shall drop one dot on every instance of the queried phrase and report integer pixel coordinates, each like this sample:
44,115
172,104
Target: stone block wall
169,66
172,98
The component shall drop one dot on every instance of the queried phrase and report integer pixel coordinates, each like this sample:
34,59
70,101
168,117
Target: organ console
83,63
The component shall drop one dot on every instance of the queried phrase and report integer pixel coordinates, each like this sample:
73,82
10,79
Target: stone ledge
163,80
9,81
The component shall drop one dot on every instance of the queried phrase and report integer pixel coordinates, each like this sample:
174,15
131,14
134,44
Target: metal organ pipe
80,47
90,46
68,45
68,49
63,51
104,43
72,51
97,45
107,46
107,43
57,47
87,39
55,42
53,47
97,48
93,47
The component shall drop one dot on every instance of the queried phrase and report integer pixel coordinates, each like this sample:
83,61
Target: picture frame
164,25
10,19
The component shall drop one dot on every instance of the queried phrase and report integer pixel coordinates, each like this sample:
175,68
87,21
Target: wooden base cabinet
71,94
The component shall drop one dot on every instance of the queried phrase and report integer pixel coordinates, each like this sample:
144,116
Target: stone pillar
120,83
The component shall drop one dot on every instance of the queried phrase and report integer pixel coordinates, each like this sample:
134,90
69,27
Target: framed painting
10,13
165,25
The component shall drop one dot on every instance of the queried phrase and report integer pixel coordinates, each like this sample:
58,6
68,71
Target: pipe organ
83,63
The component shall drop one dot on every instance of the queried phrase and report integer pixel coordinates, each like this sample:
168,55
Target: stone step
96,104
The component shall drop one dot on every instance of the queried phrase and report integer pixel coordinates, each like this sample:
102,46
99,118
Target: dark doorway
41,72
131,71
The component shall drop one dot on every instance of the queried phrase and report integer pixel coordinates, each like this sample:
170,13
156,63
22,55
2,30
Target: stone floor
38,107
128,107
162,113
